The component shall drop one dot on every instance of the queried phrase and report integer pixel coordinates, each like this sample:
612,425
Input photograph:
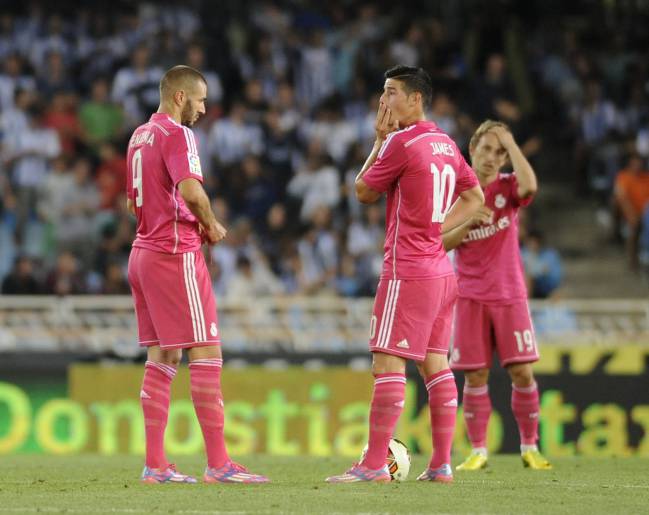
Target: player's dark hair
414,79
179,77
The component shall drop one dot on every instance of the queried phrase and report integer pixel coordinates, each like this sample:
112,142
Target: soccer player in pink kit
492,312
420,168
171,287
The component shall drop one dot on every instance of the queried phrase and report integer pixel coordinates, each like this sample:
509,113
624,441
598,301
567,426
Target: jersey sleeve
466,177
180,155
518,202
389,165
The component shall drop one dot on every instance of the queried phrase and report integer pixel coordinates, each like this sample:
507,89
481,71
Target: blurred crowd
292,94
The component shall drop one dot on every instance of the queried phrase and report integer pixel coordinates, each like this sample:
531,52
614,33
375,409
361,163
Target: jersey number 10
443,188
136,164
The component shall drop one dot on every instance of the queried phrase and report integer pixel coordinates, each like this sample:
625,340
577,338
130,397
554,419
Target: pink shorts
481,329
413,317
174,302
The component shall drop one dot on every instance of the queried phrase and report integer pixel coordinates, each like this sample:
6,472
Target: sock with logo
387,405
477,410
154,398
525,405
442,401
205,378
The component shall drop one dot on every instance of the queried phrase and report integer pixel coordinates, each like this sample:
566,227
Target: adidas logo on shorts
403,344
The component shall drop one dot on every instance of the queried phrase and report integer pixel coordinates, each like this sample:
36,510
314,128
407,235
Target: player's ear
179,97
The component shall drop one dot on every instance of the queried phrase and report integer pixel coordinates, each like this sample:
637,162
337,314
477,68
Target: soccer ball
397,460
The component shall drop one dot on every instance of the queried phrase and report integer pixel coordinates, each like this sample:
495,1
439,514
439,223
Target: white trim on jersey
195,305
175,191
396,235
191,142
162,129
387,318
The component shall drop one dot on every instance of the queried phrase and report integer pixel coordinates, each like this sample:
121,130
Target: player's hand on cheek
385,123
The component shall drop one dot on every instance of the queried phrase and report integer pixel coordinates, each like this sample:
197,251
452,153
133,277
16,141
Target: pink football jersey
489,264
161,153
421,168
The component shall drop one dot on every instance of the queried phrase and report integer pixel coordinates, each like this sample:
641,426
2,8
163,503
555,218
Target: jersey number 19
443,188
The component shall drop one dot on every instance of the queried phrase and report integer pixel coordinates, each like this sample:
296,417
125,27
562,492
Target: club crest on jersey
194,164
500,201
213,330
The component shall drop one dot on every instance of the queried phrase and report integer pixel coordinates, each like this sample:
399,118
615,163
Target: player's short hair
414,80
177,78
485,127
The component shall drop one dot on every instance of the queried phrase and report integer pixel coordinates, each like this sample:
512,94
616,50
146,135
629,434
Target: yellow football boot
535,461
475,461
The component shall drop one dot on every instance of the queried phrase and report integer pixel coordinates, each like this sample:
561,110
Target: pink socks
442,400
387,405
205,377
154,397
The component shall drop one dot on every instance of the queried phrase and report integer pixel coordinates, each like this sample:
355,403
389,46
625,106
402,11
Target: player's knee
521,374
171,358
477,378
387,364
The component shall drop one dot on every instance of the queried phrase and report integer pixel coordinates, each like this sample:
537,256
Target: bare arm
527,184
383,126
130,205
463,209
198,203
453,238
364,193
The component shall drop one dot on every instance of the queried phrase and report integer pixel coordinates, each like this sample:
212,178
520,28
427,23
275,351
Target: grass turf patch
98,484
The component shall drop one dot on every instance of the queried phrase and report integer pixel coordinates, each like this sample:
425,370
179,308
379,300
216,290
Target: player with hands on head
492,313
171,287
419,168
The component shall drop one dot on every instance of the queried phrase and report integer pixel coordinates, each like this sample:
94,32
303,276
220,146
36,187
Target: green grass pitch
94,484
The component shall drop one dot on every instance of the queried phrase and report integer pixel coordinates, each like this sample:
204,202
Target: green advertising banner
593,403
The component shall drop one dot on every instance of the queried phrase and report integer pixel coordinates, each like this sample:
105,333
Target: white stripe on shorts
388,314
199,304
189,293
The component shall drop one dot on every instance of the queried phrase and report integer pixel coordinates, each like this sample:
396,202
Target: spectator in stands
276,236
77,231
195,57
232,138
21,280
249,282
365,244
66,278
101,120
61,116
631,199
110,176
13,78
115,282
543,270
348,283
316,182
28,154
135,87
54,77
